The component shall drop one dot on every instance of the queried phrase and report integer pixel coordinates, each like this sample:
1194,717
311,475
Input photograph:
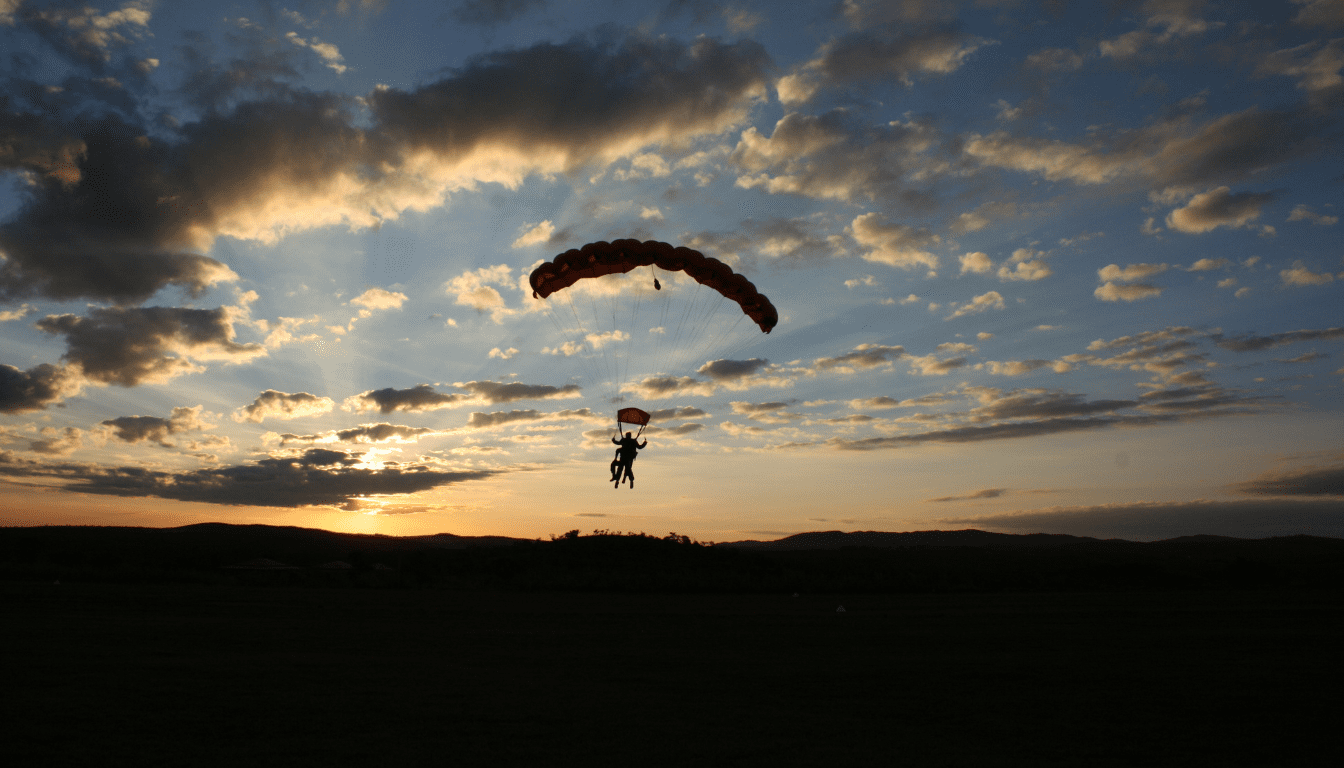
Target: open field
99,674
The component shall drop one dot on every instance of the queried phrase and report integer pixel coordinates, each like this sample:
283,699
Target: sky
1064,267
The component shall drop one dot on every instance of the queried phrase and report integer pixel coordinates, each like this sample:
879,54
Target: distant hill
885,540
826,561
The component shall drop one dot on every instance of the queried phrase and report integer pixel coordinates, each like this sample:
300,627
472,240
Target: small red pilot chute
632,416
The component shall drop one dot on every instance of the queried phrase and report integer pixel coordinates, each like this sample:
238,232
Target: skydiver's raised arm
641,445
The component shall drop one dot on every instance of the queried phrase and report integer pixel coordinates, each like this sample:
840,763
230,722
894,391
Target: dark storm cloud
1253,343
317,477
729,370
35,388
1312,481
495,392
1164,520
111,226
489,13
116,213
128,346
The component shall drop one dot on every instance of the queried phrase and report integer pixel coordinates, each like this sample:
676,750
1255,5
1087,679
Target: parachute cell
632,416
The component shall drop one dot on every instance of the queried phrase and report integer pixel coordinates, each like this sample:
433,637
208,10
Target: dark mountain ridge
865,561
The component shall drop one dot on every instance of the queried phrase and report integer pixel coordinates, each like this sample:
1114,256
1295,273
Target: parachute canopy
632,416
603,258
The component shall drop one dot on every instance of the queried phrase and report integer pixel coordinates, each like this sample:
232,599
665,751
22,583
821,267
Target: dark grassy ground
102,675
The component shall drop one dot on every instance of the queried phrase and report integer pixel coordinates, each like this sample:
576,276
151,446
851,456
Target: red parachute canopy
632,416
602,258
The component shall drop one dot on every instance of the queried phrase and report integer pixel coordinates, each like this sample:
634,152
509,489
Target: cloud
1022,367
1140,521
1055,60
364,433
1202,265
58,442
1315,65
36,388
790,240
283,406
862,356
495,392
1299,275
1113,292
379,298
976,262
1302,212
503,354
1310,481
882,402
896,245
1168,20
732,370
15,314
130,346
318,477
138,209
421,397
499,418
656,387
536,235
1175,153
1252,343
877,54
153,429
1034,412
832,156
476,289
1131,273
330,54
988,493
1320,13
983,215
1217,208
981,303
673,414
931,365
1025,270
600,340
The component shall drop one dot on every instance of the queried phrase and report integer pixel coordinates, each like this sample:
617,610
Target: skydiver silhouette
625,459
